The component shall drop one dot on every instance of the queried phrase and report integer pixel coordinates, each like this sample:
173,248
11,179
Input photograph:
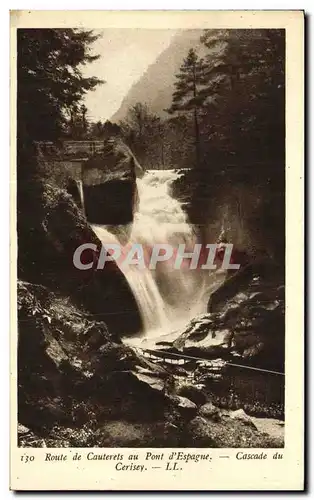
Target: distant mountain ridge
156,86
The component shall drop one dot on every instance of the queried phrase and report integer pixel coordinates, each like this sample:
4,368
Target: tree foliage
228,106
101,131
187,97
144,132
189,84
50,80
244,92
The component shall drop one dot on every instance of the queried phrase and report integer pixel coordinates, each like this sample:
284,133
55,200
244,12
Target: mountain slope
155,87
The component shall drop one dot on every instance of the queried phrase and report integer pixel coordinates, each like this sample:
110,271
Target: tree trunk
196,127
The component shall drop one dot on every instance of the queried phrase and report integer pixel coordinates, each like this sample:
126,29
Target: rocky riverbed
80,386
237,352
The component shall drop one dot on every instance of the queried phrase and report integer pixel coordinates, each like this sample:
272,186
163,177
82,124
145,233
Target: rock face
246,331
79,386
248,320
109,184
73,371
249,202
50,229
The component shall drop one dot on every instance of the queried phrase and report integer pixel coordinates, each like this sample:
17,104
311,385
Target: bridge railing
70,148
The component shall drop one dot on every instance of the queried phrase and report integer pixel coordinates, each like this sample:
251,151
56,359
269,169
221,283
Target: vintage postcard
157,250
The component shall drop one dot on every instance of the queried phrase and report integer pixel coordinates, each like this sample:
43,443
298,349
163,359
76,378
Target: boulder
209,411
193,393
56,358
126,395
50,229
109,184
248,320
226,433
241,415
273,427
204,337
197,330
186,407
199,431
72,374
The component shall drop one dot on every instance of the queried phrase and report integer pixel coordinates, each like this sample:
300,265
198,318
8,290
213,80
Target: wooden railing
70,148
171,357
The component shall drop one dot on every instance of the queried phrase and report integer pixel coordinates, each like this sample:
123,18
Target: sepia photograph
157,235
151,237
157,299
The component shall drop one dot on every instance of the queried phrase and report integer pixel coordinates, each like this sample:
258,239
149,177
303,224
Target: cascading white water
167,297
81,193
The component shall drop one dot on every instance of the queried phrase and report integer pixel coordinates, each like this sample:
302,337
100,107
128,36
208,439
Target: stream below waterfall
167,298
170,298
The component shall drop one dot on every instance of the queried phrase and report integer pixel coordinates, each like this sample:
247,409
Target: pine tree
50,81
188,97
244,89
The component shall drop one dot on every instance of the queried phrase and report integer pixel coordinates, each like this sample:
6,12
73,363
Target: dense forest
226,121
227,106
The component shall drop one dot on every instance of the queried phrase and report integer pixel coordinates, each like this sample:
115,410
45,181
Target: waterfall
81,193
167,297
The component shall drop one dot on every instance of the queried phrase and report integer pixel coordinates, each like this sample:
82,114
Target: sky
125,54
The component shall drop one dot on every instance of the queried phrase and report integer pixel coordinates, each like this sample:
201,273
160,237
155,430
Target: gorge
164,308
120,356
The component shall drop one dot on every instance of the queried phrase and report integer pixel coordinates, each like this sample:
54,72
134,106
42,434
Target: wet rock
146,366
249,321
179,371
197,330
73,189
254,350
208,378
